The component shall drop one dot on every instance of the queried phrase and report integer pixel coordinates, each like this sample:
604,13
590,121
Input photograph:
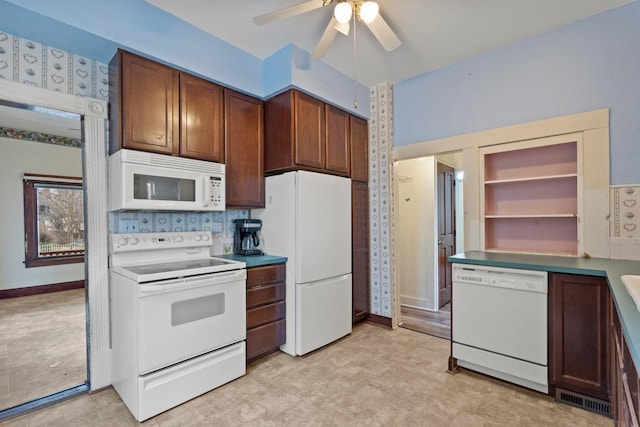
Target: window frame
31,241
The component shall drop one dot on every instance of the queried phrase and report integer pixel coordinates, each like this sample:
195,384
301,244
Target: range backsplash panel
219,223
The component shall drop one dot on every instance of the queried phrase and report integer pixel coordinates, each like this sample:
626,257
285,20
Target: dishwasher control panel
510,278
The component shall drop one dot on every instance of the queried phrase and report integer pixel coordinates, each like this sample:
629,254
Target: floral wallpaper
39,137
44,66
380,206
625,212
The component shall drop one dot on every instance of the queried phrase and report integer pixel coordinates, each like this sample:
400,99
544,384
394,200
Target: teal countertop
256,260
609,268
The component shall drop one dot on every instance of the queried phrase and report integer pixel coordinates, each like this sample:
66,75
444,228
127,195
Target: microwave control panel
217,191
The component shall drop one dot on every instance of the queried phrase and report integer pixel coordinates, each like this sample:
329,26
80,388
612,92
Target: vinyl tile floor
42,345
373,377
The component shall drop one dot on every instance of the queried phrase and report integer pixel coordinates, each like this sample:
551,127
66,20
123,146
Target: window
53,220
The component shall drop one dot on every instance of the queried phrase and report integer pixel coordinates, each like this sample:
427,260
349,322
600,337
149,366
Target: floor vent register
585,402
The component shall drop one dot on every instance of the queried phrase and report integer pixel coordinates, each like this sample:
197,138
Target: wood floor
436,323
42,345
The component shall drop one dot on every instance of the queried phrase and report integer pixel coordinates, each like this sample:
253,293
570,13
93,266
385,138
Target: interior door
445,194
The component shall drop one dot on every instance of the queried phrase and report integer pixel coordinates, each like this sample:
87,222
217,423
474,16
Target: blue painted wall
588,65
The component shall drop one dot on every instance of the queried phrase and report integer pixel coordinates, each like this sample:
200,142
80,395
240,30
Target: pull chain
355,64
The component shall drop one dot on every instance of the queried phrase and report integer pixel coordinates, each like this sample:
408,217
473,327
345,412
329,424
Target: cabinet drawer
265,314
265,339
265,274
265,294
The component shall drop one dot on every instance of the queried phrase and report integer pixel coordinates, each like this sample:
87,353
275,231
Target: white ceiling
52,122
434,33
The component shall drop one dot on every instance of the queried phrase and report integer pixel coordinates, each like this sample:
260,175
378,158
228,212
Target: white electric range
178,318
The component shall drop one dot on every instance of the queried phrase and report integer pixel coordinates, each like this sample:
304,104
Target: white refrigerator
307,218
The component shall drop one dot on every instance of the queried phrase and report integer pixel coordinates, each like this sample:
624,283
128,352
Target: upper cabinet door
201,119
337,142
309,131
244,151
148,105
359,149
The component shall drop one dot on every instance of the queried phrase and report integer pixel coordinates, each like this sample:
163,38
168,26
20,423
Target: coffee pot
245,239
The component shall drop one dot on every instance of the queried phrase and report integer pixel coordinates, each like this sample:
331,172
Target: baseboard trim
379,320
43,289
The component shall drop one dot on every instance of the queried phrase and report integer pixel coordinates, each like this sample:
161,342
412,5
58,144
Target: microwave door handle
206,191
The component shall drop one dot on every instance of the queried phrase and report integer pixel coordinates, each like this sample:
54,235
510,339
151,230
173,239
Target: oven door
183,318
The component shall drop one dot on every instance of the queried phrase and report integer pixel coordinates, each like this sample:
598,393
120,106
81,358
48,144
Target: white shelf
532,178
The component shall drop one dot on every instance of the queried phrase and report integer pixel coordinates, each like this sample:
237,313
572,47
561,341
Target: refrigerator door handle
325,281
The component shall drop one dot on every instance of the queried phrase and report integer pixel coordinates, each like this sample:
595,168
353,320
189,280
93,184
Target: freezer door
323,312
323,247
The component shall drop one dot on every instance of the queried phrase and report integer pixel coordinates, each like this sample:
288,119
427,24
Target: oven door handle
191,282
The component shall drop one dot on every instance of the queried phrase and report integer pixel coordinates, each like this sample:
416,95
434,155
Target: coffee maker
245,238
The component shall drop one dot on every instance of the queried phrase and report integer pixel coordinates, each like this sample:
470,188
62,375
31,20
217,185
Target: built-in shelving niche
531,196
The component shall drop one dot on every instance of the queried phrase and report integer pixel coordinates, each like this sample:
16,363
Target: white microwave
145,181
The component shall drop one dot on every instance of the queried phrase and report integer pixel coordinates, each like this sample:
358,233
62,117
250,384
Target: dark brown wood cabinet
359,217
359,141
201,119
244,150
337,149
578,335
265,310
143,98
360,249
159,109
302,132
625,384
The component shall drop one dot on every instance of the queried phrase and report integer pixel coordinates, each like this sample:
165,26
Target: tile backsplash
219,223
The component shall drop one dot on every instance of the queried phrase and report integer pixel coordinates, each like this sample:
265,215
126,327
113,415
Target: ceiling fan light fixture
368,11
342,12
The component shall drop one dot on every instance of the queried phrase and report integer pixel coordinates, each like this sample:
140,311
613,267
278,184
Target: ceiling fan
364,11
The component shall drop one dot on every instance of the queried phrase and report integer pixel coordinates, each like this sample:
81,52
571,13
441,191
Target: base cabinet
625,384
265,310
578,335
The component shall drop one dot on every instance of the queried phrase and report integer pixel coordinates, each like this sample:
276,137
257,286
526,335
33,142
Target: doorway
42,294
429,223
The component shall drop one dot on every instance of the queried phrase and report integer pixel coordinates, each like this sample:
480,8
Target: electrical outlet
217,227
129,226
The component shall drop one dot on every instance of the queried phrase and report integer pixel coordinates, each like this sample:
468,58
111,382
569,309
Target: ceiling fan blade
343,28
326,39
385,35
288,12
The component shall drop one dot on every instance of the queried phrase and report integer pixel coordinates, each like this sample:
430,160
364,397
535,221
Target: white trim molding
94,112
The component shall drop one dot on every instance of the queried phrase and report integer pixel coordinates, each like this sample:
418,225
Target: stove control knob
179,239
197,237
205,237
122,241
134,240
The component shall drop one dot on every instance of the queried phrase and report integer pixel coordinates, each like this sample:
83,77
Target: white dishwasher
499,323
